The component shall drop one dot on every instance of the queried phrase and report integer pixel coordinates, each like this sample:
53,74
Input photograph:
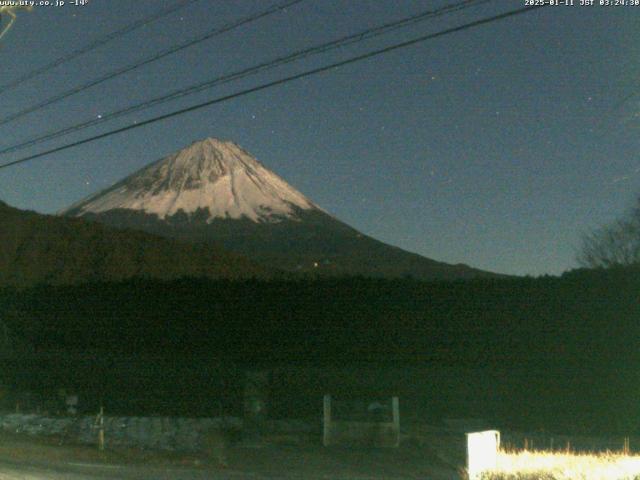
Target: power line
281,81
169,51
99,42
316,49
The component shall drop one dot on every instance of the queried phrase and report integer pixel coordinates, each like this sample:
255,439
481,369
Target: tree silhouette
614,245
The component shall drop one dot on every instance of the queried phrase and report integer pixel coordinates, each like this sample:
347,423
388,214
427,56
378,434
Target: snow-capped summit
214,192
212,175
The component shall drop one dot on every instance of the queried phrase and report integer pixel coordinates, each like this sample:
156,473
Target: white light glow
565,466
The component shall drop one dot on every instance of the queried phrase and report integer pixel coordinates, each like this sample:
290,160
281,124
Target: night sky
496,147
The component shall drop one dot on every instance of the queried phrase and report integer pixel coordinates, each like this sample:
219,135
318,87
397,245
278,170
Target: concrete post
395,405
101,429
256,395
326,437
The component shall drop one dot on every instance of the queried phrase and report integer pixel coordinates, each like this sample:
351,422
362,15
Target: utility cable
281,81
314,50
99,42
164,53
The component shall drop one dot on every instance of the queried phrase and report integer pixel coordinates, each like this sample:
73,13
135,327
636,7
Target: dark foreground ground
435,457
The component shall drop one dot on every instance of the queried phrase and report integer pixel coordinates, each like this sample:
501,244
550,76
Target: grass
543,465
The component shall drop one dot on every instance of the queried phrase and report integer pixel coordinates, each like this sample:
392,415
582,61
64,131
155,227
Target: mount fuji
213,191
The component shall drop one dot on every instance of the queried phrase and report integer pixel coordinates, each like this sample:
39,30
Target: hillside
38,248
213,191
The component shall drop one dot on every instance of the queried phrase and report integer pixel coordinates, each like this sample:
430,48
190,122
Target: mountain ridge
213,191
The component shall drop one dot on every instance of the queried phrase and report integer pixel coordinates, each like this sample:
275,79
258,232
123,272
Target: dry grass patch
527,465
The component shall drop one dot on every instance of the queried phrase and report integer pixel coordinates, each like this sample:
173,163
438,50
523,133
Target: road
26,458
10,470
309,468
15,471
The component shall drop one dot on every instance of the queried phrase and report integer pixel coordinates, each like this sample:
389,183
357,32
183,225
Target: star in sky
555,99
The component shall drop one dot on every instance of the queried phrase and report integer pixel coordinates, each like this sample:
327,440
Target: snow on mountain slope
215,192
211,175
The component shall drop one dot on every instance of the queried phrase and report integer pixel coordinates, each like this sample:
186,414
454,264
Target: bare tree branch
615,245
